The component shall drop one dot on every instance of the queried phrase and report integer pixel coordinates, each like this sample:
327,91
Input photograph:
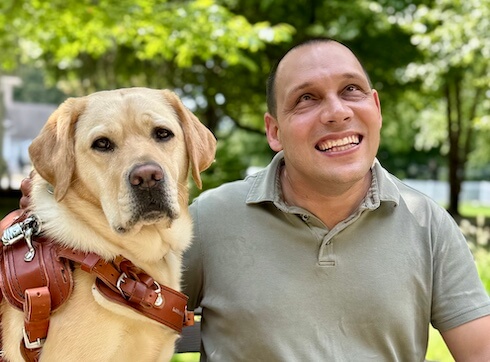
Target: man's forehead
316,58
323,51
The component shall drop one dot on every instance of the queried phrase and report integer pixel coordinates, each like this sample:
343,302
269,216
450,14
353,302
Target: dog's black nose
146,176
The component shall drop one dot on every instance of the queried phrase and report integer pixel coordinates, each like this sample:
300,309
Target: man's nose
335,110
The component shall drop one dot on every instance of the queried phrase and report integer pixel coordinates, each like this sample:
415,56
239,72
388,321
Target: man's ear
200,142
378,104
52,152
272,131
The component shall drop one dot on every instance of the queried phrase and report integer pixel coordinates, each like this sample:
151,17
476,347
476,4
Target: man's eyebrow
354,75
300,87
307,84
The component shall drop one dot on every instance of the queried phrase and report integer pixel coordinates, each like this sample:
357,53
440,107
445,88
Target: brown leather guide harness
36,278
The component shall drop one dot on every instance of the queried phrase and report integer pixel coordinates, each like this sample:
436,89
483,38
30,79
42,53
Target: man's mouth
341,144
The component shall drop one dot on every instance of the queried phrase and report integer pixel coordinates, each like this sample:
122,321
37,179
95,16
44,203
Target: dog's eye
103,144
162,134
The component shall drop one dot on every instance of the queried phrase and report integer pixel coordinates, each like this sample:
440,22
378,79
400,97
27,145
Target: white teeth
339,144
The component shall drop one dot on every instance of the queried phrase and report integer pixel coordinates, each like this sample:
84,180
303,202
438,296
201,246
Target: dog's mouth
152,198
338,145
146,218
148,207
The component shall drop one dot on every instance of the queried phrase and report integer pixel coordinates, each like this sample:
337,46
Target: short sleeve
458,293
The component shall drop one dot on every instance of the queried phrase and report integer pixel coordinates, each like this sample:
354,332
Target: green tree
453,39
109,43
34,88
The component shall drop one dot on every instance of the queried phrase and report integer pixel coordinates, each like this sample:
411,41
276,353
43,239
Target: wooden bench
190,340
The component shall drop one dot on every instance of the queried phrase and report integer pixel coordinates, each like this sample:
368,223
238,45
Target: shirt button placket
326,256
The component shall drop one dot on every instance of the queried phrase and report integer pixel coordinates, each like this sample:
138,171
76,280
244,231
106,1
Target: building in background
20,122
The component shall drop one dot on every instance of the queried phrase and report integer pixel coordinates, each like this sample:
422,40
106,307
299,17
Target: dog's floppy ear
200,142
52,152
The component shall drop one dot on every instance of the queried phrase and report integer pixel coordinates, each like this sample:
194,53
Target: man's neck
331,208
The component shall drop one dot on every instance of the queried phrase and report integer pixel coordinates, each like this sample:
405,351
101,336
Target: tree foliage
452,38
108,43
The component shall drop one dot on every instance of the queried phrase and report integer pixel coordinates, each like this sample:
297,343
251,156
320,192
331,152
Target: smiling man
327,119
323,255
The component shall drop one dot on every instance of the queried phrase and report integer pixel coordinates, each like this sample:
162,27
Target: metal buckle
23,230
38,343
159,300
12,234
17,231
118,283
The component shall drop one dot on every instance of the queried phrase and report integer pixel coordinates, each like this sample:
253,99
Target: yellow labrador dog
112,179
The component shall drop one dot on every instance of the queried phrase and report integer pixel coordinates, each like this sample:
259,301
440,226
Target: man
324,256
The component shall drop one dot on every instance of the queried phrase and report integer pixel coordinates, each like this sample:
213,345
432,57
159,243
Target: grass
437,350
474,210
186,357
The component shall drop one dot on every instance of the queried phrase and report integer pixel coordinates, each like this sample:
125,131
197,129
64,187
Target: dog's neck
86,228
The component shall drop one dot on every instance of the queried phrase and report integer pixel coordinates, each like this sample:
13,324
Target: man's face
328,117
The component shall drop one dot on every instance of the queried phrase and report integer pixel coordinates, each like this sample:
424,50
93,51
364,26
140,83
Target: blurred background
428,59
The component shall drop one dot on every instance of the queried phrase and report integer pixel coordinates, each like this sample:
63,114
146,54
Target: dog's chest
109,331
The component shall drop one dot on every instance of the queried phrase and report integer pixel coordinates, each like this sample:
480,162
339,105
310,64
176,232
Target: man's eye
352,88
162,134
103,144
305,97
354,92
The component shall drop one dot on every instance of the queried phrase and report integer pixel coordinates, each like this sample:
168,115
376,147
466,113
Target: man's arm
470,341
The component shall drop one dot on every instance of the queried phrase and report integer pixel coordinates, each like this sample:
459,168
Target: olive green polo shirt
275,284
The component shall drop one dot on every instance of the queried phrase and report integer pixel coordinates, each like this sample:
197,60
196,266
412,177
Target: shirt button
305,217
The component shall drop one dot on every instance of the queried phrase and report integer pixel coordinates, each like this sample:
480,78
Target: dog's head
127,152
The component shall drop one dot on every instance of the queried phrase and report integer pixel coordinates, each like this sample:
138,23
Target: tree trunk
454,132
460,131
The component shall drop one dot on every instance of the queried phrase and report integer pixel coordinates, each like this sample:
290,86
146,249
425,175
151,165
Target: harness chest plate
44,270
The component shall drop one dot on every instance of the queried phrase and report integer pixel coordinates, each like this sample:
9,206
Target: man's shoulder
225,194
415,200
409,192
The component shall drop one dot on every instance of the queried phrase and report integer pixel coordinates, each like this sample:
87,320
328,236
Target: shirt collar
266,185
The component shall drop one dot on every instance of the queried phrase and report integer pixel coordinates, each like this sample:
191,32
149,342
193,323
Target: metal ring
159,301
118,283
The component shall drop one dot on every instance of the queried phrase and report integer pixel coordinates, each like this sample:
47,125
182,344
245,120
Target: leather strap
130,286
134,290
45,269
173,313
25,285
37,310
